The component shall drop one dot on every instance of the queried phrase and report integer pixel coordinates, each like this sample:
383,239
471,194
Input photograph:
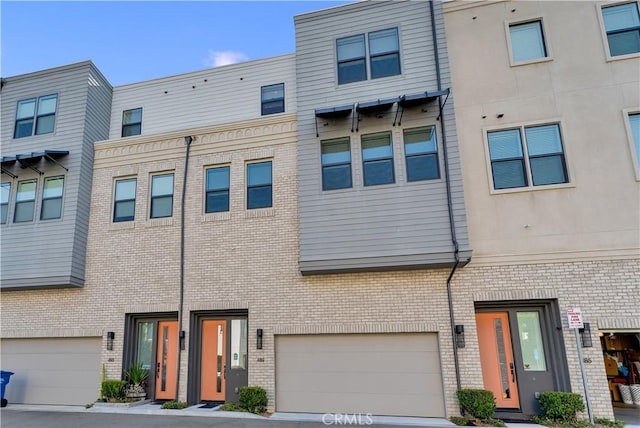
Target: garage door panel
52,371
384,374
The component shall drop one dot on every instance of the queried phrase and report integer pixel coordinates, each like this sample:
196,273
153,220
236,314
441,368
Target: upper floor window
384,53
634,124
377,159
259,185
540,161
161,195
622,24
52,198
40,112
217,191
421,151
5,192
132,122
272,99
527,41
124,201
384,56
336,164
25,201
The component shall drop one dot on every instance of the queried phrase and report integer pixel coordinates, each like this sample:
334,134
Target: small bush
179,405
231,407
113,390
460,421
609,423
253,399
478,403
560,406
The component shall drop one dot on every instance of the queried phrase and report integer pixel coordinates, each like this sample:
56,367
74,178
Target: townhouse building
549,133
300,222
50,120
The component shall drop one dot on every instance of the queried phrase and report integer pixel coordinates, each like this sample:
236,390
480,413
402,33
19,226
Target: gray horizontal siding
230,94
52,253
403,224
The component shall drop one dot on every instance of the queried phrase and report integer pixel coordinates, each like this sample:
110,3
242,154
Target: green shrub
113,389
560,406
609,423
231,407
174,405
253,399
478,403
460,421
137,373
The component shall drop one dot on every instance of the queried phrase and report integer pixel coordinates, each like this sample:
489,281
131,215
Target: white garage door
52,371
381,374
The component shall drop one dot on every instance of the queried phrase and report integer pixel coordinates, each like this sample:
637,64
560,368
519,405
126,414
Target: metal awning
28,160
333,113
415,100
377,106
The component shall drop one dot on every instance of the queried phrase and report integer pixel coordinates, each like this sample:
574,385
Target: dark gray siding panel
400,225
51,253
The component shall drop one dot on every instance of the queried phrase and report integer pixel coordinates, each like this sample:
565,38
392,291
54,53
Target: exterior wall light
110,336
585,336
259,333
459,335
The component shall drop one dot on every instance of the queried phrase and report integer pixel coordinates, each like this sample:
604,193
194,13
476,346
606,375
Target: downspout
452,225
181,338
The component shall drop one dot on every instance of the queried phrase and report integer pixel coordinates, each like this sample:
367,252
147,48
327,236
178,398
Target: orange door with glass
213,364
166,360
496,358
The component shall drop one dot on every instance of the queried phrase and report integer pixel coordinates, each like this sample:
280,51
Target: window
52,198
162,195
5,192
39,111
542,153
259,185
336,164
25,201
217,198
377,158
527,41
272,97
132,122
384,53
351,59
124,205
421,151
622,24
634,124
384,56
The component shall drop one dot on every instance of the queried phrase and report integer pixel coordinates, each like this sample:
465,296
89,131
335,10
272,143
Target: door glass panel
219,352
163,370
144,349
533,358
238,344
502,357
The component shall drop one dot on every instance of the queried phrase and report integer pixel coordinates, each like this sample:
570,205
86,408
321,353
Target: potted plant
137,375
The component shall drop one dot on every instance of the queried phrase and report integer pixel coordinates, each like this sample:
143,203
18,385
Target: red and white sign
574,315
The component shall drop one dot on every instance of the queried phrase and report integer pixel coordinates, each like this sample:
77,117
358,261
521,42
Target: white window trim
404,173
13,183
630,141
64,196
545,39
603,30
529,187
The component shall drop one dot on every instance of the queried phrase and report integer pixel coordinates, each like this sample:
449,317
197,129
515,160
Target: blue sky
134,41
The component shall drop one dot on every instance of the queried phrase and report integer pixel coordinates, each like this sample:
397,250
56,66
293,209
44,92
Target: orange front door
496,357
166,361
213,364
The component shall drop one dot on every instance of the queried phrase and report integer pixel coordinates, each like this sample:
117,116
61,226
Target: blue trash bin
4,380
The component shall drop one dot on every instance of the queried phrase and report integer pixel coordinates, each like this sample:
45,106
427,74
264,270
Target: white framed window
272,99
132,122
526,156
35,116
377,159
336,163
421,153
5,194
217,189
259,185
527,42
382,56
633,129
52,198
124,200
622,27
25,201
161,195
